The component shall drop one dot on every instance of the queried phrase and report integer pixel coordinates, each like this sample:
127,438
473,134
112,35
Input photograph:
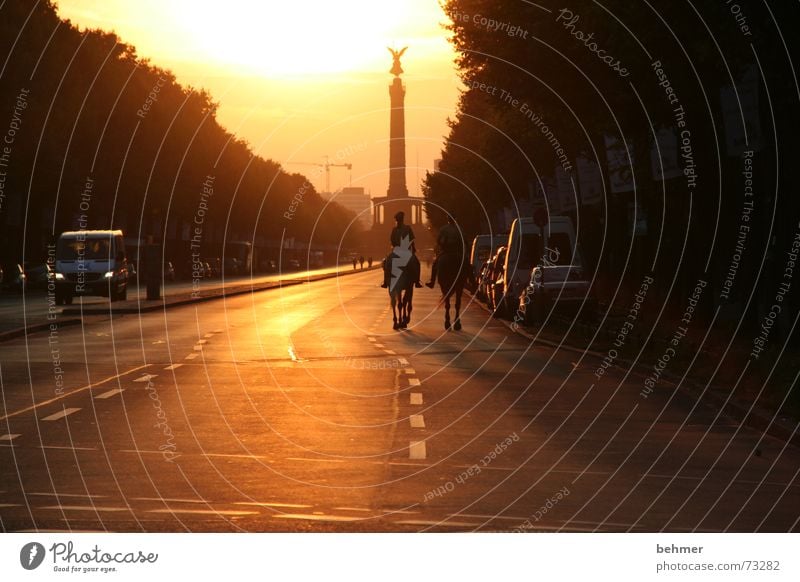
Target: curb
22,331
754,419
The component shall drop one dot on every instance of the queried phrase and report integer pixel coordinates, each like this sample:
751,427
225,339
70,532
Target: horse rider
449,241
399,232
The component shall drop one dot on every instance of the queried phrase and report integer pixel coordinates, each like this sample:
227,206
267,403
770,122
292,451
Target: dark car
13,277
37,275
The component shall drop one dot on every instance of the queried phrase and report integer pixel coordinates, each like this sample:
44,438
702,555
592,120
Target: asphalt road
299,409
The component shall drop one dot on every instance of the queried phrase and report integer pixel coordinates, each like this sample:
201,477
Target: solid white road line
61,414
109,394
315,517
173,367
229,512
84,508
415,398
71,392
417,421
276,504
417,450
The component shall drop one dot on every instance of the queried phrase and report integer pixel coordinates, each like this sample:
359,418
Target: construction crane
327,165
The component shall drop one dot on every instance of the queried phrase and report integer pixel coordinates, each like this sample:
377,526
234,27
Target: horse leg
457,324
409,305
394,311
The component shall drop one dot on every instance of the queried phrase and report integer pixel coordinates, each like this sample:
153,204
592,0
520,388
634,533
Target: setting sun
300,37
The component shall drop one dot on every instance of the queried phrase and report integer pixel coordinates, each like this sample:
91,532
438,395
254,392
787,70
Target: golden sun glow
296,37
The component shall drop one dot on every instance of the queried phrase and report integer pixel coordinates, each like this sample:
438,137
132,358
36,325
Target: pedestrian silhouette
369,262
361,260
355,262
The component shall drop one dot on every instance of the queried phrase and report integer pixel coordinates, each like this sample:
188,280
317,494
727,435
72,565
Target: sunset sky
302,79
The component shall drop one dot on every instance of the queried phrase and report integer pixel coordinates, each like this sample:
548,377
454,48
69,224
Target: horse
452,272
401,290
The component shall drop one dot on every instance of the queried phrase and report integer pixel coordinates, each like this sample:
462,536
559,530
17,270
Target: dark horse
401,295
452,274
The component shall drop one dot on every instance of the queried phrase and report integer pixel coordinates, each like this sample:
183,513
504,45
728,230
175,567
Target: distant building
355,200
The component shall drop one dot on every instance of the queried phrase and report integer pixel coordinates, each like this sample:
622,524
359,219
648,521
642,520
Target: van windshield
90,249
530,251
559,249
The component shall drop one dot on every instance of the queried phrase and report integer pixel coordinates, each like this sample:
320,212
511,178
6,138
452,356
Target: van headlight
109,274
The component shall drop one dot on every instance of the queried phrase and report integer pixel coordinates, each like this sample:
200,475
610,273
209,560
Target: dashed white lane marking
415,398
409,371
171,500
269,504
217,331
403,361
372,339
10,505
109,394
173,367
202,341
417,421
362,509
84,508
414,382
81,495
379,345
61,414
61,448
146,377
230,512
438,523
315,517
417,450
70,393
391,352
191,357
197,348
209,335
9,437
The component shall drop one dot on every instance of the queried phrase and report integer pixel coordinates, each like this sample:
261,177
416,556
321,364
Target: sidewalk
28,313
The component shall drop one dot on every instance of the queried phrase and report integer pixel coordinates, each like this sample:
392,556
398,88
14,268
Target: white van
91,262
527,245
483,249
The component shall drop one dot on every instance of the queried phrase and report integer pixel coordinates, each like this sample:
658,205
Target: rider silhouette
450,240
399,232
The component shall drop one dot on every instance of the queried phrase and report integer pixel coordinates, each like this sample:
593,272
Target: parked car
480,280
215,265
493,277
37,275
483,248
560,288
13,279
169,271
